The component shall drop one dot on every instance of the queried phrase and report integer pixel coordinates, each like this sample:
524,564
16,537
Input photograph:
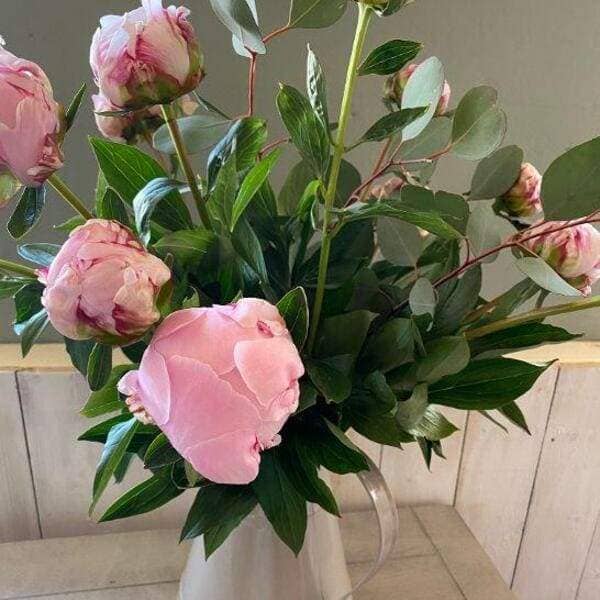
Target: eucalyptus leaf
432,140
445,356
237,16
199,133
496,174
545,276
422,298
400,243
484,232
315,14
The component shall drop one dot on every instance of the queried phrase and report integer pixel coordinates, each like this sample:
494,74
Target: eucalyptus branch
71,198
364,16
17,269
171,121
281,30
533,315
252,82
273,145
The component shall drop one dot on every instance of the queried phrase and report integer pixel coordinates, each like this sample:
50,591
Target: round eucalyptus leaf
422,298
400,242
315,14
545,276
199,133
433,139
484,231
496,174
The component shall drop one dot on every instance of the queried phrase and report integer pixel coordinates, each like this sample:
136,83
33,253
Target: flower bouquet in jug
262,326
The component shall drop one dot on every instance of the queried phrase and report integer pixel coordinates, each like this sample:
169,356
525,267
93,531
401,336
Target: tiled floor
436,558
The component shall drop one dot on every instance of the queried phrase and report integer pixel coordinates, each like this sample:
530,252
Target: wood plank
407,474
466,561
18,516
161,591
566,493
497,474
589,586
63,468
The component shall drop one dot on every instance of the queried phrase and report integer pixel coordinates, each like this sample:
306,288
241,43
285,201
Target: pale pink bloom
388,189
220,382
128,126
147,56
574,253
395,85
524,198
103,284
30,121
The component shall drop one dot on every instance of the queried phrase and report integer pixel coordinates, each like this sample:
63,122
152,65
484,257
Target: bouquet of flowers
262,326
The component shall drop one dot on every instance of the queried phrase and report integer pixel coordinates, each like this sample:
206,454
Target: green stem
7,265
71,198
364,16
534,315
171,121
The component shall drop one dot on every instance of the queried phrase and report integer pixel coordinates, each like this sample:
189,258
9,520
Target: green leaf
315,14
486,384
187,246
411,412
496,174
294,309
248,246
252,184
484,232
70,224
307,131
520,336
10,286
110,206
74,106
28,212
391,7
145,497
199,133
31,329
391,124
316,87
571,185
128,170
390,347
106,399
545,276
432,140
400,242
283,506
225,189
424,88
116,446
422,298
160,453
332,382
344,334
237,16
381,429
99,366
147,200
479,125
79,351
28,301
514,414
434,426
445,356
390,57
39,254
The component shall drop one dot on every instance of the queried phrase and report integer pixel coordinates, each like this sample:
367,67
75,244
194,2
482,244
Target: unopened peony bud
388,189
146,57
574,252
220,382
30,121
523,199
396,84
129,126
103,284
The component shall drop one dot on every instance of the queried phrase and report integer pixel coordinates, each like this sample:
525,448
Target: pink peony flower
103,284
220,382
524,198
388,189
127,127
147,56
574,253
30,121
395,85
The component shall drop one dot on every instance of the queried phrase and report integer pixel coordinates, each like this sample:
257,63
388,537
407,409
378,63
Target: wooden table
436,558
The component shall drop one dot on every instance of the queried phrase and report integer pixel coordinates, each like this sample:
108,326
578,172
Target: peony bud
103,284
574,252
146,57
220,382
523,199
30,121
389,189
396,84
128,127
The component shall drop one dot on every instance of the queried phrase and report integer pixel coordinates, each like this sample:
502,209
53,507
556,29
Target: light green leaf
545,276
199,133
39,254
422,298
316,87
316,14
237,16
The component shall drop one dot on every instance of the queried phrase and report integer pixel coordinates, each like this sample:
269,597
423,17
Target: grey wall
541,54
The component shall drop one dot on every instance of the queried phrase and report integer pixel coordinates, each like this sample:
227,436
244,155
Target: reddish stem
251,83
274,144
275,33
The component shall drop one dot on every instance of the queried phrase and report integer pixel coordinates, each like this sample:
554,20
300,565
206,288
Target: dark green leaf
400,243
496,174
391,124
79,351
28,212
99,366
390,347
39,254
389,57
445,356
248,246
514,414
410,412
28,302
160,453
187,246
294,309
432,140
110,206
315,14
332,382
73,108
31,329
486,384
344,334
107,399
9,286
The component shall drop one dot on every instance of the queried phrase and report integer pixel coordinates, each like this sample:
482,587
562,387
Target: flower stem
7,265
69,196
364,16
534,315
171,121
